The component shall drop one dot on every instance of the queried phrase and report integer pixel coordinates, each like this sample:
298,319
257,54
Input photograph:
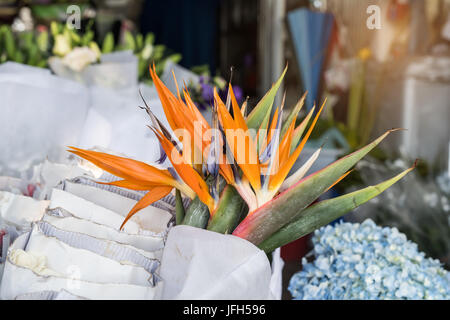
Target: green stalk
197,214
179,207
10,45
356,96
228,212
108,43
323,213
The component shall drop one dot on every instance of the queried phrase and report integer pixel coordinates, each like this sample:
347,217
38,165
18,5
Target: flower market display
27,47
247,206
153,151
364,261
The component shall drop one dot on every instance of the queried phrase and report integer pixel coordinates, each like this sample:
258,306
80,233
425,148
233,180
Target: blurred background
381,64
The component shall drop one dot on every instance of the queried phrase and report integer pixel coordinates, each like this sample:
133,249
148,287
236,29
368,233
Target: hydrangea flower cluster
364,261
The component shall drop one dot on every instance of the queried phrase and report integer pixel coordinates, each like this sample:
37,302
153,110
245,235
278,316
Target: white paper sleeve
200,264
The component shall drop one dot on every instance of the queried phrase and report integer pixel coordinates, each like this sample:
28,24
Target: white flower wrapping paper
39,114
118,70
81,226
18,281
20,211
200,264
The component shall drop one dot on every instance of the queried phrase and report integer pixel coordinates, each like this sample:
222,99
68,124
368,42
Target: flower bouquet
242,203
78,57
26,47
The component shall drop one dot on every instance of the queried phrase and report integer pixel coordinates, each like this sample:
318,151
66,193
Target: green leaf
264,106
293,114
228,212
175,58
298,134
87,38
129,41
324,212
33,55
10,44
43,41
356,96
19,57
139,42
179,207
108,43
55,28
278,212
149,39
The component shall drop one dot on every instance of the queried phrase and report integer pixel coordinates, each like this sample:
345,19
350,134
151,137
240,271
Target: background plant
364,261
31,48
145,49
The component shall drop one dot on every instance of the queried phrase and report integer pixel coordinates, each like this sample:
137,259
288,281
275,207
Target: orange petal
285,145
133,185
125,168
273,125
278,178
301,128
165,101
238,118
155,194
186,171
250,163
339,180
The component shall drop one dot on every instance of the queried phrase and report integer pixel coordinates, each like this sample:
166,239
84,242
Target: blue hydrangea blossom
364,261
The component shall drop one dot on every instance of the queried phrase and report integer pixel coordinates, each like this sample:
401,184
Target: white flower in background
94,47
62,45
147,52
79,58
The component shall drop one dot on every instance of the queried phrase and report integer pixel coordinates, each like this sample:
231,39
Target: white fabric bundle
200,264
84,209
39,114
20,211
48,174
147,245
18,281
67,251
150,218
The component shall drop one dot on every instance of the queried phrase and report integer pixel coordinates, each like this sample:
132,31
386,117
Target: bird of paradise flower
237,175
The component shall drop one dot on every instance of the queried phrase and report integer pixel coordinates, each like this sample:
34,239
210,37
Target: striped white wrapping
88,260
18,281
150,246
105,248
49,295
